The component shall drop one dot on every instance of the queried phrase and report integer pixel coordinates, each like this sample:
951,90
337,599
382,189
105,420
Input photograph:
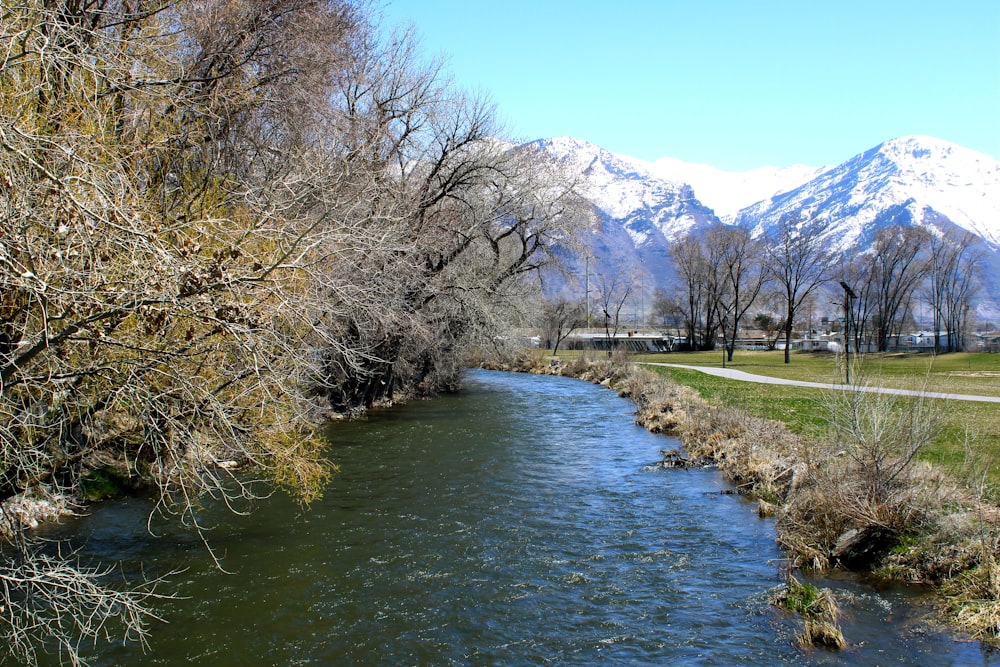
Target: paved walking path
743,376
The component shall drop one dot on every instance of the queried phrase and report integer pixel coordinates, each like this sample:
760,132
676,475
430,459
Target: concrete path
743,376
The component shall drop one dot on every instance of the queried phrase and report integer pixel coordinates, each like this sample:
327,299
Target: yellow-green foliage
145,287
298,463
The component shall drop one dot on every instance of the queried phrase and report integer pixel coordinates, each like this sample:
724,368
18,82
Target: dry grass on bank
818,607
858,498
972,598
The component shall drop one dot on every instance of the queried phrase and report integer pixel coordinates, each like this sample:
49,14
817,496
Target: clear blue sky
734,83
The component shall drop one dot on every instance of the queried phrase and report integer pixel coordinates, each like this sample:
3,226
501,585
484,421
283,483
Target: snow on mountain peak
724,192
915,179
569,149
917,147
954,181
728,191
912,180
618,185
565,147
932,160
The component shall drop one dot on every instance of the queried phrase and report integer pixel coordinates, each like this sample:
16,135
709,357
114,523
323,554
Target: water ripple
518,522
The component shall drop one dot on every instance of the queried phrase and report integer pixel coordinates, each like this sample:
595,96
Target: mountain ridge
727,192
915,176
913,180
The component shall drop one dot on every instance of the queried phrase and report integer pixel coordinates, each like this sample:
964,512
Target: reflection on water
519,522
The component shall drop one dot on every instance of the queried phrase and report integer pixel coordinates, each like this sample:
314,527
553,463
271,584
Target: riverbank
857,498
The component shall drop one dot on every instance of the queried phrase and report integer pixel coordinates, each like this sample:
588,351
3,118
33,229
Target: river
518,522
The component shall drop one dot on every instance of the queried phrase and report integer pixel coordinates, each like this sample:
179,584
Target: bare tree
220,218
740,262
798,262
60,601
464,220
896,267
667,309
952,267
560,317
698,268
613,292
852,276
181,248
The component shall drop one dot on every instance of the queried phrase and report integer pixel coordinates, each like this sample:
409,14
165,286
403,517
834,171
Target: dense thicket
217,221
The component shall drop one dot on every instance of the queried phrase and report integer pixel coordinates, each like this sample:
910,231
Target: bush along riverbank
858,499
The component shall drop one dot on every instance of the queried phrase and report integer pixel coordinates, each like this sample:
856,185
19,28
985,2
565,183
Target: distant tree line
220,221
905,266
723,273
726,278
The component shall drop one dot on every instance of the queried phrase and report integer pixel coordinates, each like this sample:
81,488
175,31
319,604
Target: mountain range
643,207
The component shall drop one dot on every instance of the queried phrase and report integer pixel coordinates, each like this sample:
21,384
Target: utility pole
848,295
642,304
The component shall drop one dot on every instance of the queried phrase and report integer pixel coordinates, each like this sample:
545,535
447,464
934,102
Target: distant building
632,341
988,341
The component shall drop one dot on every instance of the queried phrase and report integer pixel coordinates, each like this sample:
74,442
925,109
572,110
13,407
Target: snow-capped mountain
915,180
624,190
639,214
726,192
912,180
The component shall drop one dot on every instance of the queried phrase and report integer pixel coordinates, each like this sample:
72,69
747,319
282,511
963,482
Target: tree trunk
788,341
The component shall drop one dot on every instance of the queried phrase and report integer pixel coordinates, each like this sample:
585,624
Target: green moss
105,482
768,495
797,597
906,543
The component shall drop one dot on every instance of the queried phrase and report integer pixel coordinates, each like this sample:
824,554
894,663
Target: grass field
804,410
959,373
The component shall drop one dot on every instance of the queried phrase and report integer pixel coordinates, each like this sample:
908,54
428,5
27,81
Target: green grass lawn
958,373
804,410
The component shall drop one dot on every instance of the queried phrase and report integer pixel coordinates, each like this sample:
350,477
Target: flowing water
519,522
